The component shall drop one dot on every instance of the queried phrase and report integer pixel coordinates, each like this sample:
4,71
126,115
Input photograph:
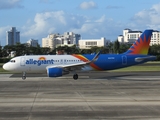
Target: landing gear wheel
23,77
75,76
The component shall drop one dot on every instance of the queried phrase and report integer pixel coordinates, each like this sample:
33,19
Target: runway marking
30,113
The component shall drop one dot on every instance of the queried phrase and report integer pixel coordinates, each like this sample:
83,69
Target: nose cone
6,67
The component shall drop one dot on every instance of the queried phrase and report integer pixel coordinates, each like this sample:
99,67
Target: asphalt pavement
95,95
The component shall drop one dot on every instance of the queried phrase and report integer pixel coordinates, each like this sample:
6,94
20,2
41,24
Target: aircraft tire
23,77
75,76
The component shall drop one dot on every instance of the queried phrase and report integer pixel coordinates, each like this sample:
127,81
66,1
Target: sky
92,19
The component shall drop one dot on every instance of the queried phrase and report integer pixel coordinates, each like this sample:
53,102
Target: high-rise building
32,42
13,36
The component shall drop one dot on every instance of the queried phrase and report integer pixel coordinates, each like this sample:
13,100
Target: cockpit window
12,61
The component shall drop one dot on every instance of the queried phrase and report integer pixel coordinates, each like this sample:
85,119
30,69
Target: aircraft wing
69,67
140,59
75,65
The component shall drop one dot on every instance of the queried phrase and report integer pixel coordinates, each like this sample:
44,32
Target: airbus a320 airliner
58,65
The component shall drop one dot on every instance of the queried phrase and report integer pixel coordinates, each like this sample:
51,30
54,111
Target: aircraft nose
5,67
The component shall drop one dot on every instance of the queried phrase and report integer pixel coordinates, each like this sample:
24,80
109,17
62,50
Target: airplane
58,65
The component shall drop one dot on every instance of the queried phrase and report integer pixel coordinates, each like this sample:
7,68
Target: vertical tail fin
141,46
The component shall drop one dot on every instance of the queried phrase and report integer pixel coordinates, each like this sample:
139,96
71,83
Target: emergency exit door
124,60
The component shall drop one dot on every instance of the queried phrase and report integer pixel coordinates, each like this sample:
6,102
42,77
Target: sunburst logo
141,46
42,58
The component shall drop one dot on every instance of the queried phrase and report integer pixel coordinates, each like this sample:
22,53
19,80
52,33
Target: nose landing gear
24,76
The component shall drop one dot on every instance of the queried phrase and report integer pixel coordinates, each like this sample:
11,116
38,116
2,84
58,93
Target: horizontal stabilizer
140,59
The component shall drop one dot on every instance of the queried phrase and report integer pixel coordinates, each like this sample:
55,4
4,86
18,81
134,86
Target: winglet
95,57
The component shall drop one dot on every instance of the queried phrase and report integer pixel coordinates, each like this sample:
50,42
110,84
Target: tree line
116,47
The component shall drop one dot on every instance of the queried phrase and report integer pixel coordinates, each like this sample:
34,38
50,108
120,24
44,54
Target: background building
13,36
88,43
54,40
130,36
51,41
32,42
70,38
155,39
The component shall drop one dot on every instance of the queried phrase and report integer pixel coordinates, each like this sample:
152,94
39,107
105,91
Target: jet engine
54,72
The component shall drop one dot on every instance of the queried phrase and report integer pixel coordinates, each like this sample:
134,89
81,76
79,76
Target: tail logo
141,46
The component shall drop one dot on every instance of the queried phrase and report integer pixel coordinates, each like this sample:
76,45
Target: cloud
44,23
101,27
60,22
88,5
52,22
9,4
149,18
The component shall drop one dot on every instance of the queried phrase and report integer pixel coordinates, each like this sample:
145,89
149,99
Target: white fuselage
39,63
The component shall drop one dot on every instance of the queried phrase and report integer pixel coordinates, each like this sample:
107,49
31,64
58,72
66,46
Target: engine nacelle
54,72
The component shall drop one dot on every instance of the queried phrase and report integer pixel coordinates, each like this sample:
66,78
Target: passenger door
22,61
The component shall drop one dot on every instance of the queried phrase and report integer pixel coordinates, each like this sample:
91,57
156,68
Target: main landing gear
24,76
75,76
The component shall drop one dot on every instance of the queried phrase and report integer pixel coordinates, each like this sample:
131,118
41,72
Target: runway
99,96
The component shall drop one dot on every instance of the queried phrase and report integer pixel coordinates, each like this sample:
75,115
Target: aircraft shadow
17,75
101,75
